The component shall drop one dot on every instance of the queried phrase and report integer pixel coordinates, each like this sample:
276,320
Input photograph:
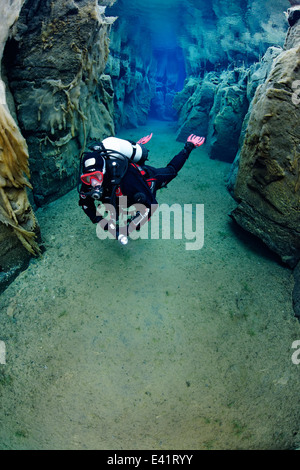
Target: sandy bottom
151,346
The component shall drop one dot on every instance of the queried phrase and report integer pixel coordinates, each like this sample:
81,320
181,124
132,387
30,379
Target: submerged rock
227,115
257,75
131,74
293,17
18,225
268,181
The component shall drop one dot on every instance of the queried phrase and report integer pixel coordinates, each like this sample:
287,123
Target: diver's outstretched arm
179,160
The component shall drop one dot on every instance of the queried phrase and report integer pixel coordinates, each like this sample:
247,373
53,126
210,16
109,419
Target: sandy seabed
151,346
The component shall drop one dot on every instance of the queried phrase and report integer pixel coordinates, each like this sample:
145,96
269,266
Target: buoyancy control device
134,152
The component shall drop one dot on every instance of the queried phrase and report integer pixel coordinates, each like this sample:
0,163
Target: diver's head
93,171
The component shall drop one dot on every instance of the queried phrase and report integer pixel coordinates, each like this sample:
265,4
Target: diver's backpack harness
116,162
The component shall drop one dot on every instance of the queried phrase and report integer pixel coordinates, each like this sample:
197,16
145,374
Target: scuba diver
114,169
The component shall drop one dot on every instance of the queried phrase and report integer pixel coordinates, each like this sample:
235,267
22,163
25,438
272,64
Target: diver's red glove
196,140
146,139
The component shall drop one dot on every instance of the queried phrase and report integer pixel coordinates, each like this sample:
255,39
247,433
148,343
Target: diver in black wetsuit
107,174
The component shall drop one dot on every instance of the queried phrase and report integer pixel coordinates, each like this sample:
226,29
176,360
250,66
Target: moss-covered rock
55,62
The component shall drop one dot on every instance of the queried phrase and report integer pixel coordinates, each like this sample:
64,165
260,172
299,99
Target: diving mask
94,179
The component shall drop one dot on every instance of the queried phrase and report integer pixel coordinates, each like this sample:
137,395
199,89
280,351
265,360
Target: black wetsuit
139,184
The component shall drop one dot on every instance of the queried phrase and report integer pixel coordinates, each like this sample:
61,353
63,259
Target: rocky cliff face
54,62
146,72
218,33
18,225
65,89
189,38
268,179
234,47
132,75
215,106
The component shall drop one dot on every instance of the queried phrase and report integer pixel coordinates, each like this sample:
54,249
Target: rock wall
233,46
227,113
54,94
268,180
194,103
18,225
187,38
132,74
257,75
296,291
54,62
66,89
145,79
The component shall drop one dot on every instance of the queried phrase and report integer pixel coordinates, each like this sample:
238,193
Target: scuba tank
134,152
116,154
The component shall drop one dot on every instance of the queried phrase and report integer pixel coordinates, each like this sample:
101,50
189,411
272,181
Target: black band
133,153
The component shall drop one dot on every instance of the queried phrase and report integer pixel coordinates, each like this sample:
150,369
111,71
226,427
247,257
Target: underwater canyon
195,344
